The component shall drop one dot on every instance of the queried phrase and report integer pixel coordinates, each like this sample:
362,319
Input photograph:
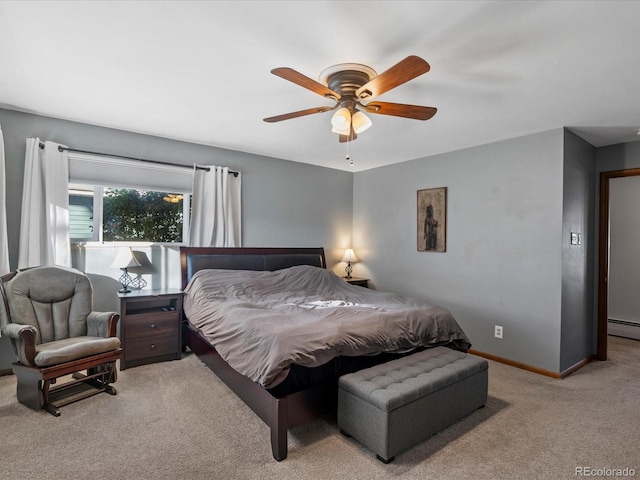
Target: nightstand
361,282
150,326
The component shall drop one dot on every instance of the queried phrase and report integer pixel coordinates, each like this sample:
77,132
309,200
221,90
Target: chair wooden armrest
24,337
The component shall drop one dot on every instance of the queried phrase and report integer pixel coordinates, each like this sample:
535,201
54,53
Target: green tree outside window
141,215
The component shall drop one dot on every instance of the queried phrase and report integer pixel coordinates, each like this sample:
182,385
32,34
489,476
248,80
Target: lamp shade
349,256
125,259
360,122
341,119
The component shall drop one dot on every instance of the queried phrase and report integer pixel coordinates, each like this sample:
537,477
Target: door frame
603,256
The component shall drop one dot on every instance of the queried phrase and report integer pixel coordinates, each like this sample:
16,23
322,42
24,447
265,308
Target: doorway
603,256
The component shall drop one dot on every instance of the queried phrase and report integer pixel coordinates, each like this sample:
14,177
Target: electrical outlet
498,331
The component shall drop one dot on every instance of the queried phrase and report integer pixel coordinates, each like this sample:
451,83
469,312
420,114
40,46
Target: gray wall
511,208
283,203
503,264
618,157
577,266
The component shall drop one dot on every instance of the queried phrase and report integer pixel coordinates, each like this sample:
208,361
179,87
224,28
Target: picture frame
432,220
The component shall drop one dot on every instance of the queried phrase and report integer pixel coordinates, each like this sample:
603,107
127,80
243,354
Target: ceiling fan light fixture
347,84
360,122
341,119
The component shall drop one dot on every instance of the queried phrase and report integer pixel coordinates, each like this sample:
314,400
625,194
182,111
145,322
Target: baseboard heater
624,328
630,323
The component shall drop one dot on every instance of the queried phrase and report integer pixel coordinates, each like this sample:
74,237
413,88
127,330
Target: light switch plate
576,238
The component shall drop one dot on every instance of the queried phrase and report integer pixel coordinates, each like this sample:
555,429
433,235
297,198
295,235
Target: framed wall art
432,220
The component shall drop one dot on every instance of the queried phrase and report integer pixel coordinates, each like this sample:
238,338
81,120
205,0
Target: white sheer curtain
4,243
215,208
44,225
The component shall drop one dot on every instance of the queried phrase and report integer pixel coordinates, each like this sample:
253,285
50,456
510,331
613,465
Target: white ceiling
200,71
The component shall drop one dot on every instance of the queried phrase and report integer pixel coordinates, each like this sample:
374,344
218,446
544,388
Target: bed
288,376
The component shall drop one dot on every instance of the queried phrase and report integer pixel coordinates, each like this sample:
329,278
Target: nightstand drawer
164,323
150,326
151,347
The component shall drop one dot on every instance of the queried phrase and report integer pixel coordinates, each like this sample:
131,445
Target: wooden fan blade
401,110
300,113
304,81
403,71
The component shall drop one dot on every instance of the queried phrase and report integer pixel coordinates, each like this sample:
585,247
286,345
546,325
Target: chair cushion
55,300
69,349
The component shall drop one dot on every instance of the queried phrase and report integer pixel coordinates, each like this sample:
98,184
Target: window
113,214
116,200
81,225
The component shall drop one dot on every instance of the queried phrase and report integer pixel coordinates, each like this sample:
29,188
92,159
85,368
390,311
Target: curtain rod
62,149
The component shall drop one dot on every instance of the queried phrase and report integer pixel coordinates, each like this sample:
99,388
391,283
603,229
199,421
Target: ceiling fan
351,84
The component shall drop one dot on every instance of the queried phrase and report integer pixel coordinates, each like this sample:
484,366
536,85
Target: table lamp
349,258
124,260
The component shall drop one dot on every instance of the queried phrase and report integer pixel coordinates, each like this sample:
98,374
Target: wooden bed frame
279,413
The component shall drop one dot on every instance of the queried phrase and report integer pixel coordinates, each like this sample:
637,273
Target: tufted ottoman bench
393,406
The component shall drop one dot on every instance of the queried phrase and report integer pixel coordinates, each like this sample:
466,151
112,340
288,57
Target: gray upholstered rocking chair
49,320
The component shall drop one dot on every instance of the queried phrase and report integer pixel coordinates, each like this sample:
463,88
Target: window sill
126,244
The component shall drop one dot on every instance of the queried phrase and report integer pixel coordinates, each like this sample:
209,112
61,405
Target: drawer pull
153,325
153,346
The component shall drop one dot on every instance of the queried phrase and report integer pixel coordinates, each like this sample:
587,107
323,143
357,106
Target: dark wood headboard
193,259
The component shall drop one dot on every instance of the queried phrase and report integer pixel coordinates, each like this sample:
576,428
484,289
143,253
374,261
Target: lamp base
138,283
348,269
125,280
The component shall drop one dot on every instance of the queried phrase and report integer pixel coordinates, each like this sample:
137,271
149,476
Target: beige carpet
176,420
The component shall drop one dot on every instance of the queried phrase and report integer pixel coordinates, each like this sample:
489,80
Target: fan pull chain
348,157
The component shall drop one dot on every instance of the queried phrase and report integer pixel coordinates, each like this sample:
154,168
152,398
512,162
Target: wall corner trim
577,366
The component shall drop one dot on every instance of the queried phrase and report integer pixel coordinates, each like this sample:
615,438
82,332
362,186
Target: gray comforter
263,322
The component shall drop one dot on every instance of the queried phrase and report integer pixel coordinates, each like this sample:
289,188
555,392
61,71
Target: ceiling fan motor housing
345,79
346,83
